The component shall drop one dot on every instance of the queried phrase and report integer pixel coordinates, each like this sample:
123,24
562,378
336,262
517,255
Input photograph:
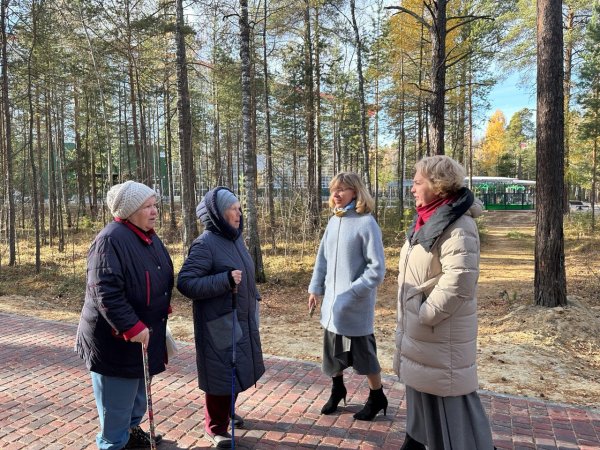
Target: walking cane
234,293
149,397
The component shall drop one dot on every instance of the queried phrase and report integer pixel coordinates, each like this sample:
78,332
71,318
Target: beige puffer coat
436,333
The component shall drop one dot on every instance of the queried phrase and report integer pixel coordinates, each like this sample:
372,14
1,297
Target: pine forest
273,99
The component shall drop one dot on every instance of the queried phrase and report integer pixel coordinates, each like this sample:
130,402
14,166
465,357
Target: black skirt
341,352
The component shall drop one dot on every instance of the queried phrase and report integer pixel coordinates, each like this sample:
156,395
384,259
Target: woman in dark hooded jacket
217,262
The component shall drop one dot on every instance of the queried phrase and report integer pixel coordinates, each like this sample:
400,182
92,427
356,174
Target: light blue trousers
121,404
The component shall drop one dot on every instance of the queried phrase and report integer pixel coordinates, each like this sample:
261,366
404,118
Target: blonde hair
364,202
445,175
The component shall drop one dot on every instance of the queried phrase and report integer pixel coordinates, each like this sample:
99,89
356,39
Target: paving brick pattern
46,402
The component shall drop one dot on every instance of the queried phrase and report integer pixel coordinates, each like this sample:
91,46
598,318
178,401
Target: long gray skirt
447,423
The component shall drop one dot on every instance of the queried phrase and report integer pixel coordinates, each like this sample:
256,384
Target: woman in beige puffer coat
436,333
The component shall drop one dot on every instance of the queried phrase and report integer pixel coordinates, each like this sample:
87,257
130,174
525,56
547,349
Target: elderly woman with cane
436,333
127,301
218,275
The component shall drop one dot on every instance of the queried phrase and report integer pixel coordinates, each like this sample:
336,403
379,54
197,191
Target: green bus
503,193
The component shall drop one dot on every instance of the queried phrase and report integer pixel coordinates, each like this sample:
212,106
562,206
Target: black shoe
139,439
219,440
411,444
375,403
238,422
338,392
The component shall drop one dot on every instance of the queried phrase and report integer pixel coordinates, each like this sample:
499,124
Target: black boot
411,444
375,403
338,392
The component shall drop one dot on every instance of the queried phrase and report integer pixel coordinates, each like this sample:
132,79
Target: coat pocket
221,328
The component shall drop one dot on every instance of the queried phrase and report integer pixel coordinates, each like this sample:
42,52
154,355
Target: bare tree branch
410,13
472,19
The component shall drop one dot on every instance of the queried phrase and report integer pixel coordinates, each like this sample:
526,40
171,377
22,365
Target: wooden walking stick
149,397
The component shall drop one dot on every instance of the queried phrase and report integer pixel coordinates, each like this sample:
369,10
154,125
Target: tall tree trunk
401,144
101,91
186,157
229,151
438,77
62,158
145,147
12,235
469,164
593,193
60,188
550,281
461,135
34,176
53,231
309,116
420,104
169,153
376,147
361,97
91,165
568,58
39,181
126,130
249,151
133,100
268,143
217,133
79,156
318,131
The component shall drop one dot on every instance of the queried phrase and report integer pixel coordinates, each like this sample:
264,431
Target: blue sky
510,96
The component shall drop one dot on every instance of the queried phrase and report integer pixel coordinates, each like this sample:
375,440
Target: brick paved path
46,402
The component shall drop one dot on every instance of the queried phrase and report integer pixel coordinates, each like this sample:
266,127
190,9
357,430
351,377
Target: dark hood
211,218
441,219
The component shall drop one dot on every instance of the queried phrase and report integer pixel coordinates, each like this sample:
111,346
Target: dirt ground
553,354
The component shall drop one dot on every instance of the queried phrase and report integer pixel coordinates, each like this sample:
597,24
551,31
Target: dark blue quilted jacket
204,279
128,281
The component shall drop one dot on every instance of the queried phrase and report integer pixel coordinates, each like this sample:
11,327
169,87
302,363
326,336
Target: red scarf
145,236
425,212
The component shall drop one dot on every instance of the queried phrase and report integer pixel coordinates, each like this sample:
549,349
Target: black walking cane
234,293
149,397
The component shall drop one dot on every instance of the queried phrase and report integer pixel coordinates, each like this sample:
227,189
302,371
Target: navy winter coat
204,278
129,283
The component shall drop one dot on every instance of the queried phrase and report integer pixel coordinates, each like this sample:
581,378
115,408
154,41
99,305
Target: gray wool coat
350,265
204,279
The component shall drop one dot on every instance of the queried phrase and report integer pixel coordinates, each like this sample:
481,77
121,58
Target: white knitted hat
124,199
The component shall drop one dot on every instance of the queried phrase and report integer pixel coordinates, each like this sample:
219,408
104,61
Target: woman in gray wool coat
217,262
350,265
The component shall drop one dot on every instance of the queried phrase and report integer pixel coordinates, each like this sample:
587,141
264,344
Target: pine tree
590,96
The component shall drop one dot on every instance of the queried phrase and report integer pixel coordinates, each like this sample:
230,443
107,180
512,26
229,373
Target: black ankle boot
338,392
411,444
375,403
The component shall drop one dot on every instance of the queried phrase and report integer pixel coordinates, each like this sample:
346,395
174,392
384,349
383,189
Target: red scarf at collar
145,236
425,212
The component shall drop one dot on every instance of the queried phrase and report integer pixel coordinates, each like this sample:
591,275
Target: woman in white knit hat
127,302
